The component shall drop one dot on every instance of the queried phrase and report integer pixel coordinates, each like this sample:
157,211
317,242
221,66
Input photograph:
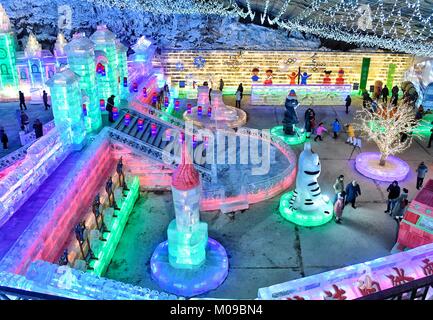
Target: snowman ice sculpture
306,206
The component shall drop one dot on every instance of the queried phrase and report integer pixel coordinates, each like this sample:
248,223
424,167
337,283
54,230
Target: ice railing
13,157
42,158
47,278
30,137
13,258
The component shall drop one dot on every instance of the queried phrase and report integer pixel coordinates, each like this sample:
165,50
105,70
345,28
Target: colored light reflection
299,137
367,163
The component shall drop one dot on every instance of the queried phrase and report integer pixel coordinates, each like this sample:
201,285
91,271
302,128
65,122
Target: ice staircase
154,137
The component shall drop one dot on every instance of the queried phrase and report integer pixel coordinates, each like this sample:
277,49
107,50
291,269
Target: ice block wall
48,278
357,281
42,158
81,59
45,237
122,70
67,109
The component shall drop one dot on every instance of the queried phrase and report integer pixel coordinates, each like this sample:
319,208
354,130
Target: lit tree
390,128
33,47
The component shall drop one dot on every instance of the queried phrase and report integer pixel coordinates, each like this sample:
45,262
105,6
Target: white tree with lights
390,128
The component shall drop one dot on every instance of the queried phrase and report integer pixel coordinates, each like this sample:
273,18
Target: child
319,131
350,134
336,128
339,206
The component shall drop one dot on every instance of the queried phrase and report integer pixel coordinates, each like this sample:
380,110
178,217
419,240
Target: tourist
385,94
431,137
121,174
348,103
419,113
4,138
339,206
353,191
338,187
310,121
350,133
22,101
394,95
400,206
39,128
319,131
238,96
221,87
365,98
45,99
241,89
109,107
336,128
421,172
393,194
110,194
24,118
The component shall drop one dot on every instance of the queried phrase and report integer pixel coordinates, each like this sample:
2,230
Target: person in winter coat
39,128
393,194
365,98
353,191
339,207
110,106
45,99
24,121
22,100
394,95
385,94
401,205
310,121
338,187
336,128
4,138
238,96
421,172
350,133
348,103
221,87
319,131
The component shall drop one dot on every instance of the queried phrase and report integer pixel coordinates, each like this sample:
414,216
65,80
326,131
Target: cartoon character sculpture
293,76
306,206
304,78
340,77
327,78
290,117
255,77
268,80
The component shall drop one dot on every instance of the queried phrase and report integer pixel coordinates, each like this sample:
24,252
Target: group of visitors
22,99
344,196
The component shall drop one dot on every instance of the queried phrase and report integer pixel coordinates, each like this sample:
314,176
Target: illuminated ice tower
189,263
8,74
67,109
81,58
106,63
59,51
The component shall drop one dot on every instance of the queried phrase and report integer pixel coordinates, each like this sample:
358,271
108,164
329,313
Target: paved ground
263,248
9,121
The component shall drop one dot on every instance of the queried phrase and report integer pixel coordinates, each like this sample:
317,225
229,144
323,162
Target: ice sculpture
8,74
106,54
81,59
67,109
306,206
189,263
122,69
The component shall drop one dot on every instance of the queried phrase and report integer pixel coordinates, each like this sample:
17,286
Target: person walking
365,98
350,133
310,121
394,95
338,187
4,138
319,131
339,206
109,107
45,99
353,191
241,89
385,94
22,100
393,194
401,205
39,128
336,128
421,172
348,103
24,121
238,96
221,87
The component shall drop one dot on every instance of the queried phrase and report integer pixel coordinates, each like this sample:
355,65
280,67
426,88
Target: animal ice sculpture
306,205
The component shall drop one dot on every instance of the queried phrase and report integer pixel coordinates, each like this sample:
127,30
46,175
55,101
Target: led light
140,124
188,108
127,119
144,92
84,110
115,113
135,87
102,104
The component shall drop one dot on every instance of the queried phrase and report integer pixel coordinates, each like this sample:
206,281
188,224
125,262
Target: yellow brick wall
235,66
